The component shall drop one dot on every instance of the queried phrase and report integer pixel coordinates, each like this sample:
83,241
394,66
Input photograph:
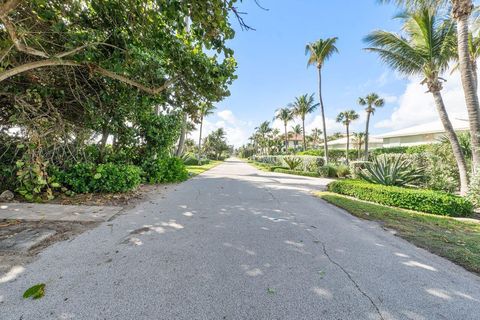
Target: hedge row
309,163
296,172
414,199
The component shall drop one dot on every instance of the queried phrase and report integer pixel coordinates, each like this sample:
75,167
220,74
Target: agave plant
391,171
292,162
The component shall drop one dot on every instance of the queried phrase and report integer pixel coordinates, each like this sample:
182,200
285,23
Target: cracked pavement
239,243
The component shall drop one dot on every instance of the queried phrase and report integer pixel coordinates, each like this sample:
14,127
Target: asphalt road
238,243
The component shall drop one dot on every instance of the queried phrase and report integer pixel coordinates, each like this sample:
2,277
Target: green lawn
458,241
196,170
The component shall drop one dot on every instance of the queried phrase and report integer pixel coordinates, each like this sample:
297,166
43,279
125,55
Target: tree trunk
461,12
303,130
322,109
452,137
200,138
183,133
286,138
366,136
348,143
103,142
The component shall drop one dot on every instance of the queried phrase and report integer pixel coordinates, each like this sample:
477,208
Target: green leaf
97,176
35,292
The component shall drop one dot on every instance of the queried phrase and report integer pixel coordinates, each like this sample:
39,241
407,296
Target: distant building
426,133
341,144
294,140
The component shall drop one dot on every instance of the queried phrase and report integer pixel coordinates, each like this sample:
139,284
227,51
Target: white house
426,133
373,143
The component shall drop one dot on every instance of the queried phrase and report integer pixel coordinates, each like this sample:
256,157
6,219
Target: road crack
349,276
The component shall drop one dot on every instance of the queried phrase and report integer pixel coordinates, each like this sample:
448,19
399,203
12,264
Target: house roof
426,128
294,137
352,138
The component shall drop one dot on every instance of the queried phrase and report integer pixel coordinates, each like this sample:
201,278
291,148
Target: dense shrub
356,167
474,190
342,171
7,177
108,177
328,171
414,199
308,163
296,172
164,170
334,155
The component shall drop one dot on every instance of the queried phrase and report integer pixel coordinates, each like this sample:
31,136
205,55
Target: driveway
239,243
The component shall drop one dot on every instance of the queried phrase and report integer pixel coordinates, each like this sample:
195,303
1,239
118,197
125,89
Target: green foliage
295,172
474,190
108,177
400,150
342,171
414,199
164,170
308,163
111,177
391,171
35,292
334,155
328,171
292,162
33,181
356,167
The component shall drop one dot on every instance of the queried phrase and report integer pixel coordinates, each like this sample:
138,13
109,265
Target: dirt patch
105,199
63,231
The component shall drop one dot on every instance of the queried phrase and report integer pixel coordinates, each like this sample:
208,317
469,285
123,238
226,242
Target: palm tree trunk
322,109
461,13
303,130
183,133
286,138
348,143
366,136
200,138
452,137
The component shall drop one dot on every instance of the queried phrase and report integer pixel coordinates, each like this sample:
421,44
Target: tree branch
109,74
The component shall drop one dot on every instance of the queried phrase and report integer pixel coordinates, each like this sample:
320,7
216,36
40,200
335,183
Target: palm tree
285,115
320,51
316,133
461,12
205,110
303,105
372,101
359,140
346,117
263,130
426,50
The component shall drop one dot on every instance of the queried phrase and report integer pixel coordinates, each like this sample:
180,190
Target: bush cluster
414,199
164,170
109,177
308,163
296,172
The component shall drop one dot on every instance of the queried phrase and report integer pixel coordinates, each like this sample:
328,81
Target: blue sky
272,67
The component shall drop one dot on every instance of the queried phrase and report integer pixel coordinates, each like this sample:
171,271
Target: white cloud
416,106
237,130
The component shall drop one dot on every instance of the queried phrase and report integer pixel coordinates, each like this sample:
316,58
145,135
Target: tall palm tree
346,117
426,50
285,115
371,102
461,12
319,52
205,110
263,130
359,140
303,105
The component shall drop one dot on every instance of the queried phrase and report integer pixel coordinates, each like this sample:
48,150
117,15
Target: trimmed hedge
414,199
296,172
